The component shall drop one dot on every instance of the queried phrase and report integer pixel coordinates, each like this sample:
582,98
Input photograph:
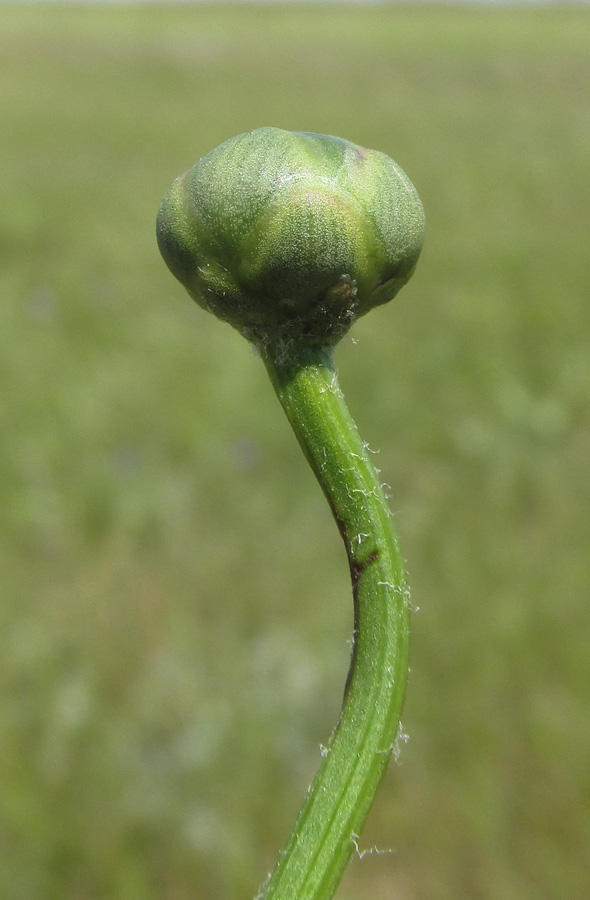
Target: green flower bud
289,235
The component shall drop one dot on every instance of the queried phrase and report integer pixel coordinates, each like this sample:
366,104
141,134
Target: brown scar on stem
357,568
356,571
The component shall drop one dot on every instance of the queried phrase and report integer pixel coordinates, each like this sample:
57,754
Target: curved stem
342,793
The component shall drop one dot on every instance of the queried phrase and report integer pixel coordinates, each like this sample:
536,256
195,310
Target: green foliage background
175,602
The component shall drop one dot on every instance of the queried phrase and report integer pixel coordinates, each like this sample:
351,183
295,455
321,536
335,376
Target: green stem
342,793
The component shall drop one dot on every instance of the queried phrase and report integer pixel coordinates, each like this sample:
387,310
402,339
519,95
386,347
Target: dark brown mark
356,571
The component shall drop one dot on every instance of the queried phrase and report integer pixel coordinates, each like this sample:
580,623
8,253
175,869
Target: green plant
290,237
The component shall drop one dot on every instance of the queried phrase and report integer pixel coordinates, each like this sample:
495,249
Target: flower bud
289,235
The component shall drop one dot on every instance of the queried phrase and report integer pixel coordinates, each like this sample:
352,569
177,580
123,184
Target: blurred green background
175,607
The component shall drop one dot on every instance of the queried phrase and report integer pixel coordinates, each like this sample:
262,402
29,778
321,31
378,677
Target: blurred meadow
176,610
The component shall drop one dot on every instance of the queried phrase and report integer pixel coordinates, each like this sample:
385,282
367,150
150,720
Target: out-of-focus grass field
175,601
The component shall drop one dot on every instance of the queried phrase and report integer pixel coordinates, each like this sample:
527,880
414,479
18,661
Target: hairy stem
342,793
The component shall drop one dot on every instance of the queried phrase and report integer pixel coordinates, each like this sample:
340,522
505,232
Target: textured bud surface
289,235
